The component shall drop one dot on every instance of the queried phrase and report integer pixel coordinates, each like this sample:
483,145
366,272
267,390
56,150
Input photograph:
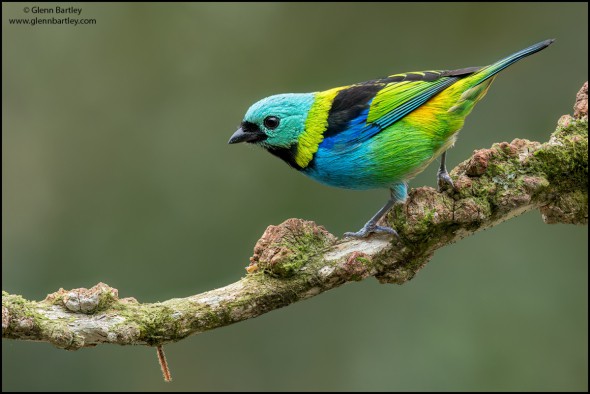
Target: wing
363,110
398,99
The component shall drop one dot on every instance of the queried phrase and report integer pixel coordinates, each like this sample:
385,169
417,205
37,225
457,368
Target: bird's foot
444,181
370,229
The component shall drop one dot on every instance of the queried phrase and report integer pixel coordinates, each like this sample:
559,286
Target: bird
377,134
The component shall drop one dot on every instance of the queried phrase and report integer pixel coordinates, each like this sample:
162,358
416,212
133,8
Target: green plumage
375,134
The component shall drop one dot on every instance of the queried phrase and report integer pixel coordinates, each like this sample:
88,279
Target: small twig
163,363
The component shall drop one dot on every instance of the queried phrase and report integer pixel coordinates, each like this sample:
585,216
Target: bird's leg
442,176
399,193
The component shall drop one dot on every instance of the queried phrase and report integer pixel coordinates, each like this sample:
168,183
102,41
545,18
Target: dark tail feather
491,70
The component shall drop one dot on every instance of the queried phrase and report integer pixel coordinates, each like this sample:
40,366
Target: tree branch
298,259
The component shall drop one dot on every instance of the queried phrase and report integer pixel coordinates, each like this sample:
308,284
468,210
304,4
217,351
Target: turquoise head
275,122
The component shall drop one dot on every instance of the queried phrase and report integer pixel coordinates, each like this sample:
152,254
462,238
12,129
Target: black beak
246,136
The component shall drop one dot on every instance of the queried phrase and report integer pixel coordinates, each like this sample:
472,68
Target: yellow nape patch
315,126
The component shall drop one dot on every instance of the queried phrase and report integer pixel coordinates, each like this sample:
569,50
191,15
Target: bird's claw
444,180
367,230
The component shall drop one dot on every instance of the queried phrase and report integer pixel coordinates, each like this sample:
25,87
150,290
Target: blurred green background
116,168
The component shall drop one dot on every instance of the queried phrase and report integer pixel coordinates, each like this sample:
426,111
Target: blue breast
344,159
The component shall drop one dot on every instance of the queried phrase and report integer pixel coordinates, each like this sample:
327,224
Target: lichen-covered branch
298,259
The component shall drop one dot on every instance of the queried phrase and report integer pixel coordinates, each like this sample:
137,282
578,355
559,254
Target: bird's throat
288,155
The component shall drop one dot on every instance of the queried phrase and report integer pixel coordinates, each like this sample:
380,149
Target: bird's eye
271,122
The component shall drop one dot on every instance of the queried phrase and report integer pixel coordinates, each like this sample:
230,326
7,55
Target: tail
488,72
474,87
